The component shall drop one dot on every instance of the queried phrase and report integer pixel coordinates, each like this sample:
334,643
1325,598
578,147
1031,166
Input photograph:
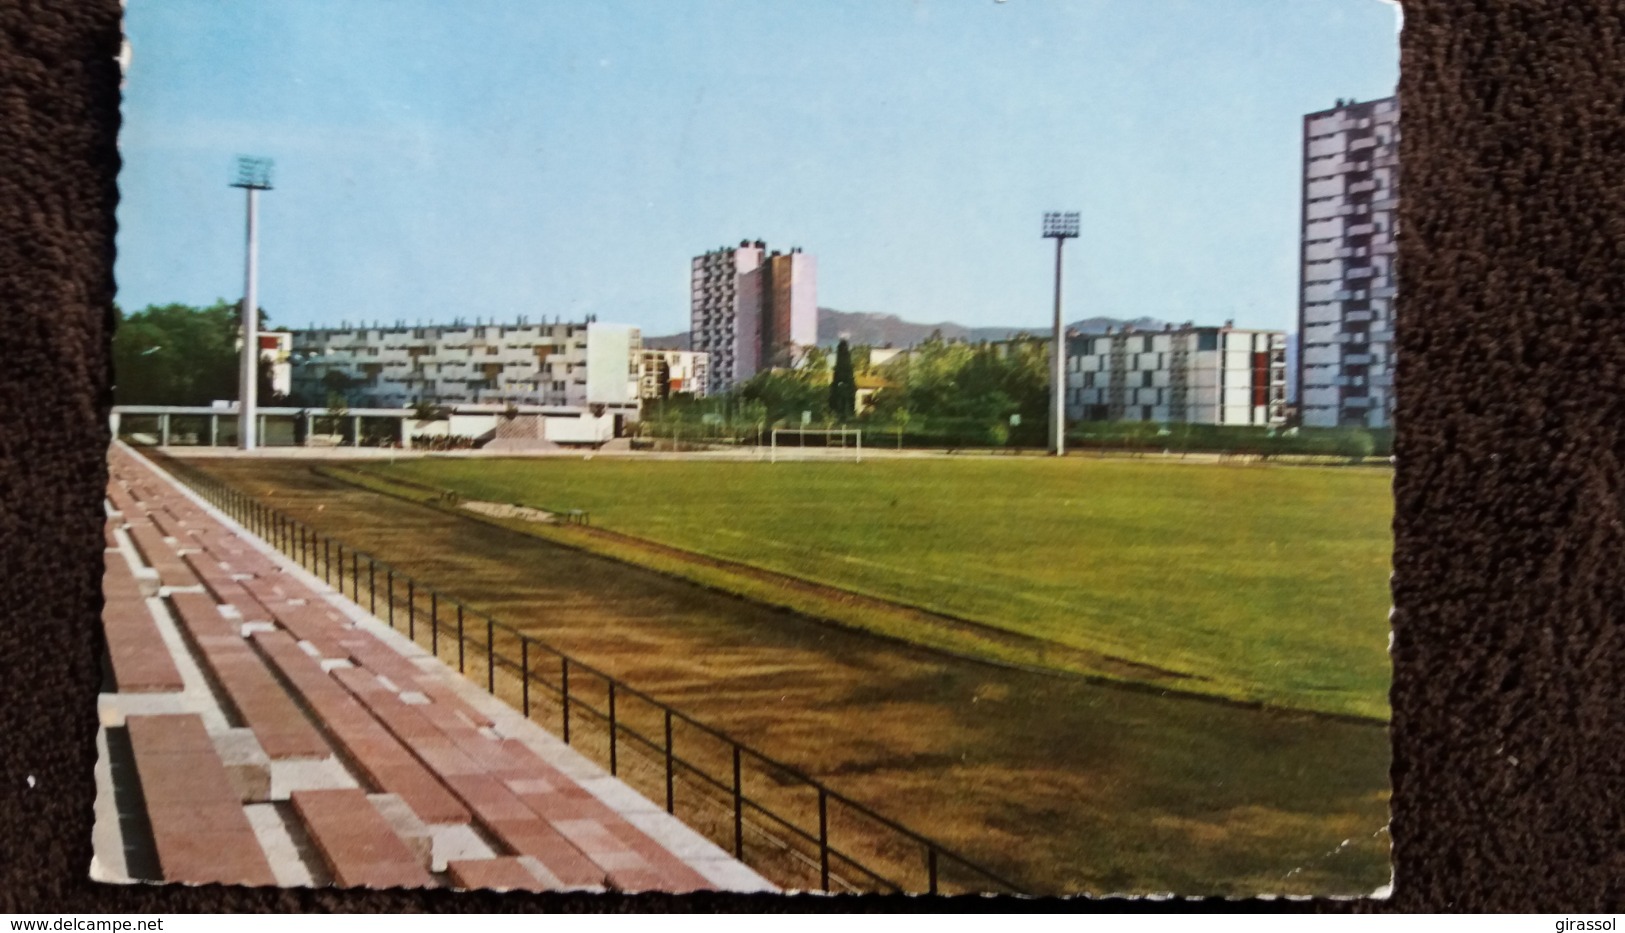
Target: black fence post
411,609
459,638
391,596
823,837
564,689
931,869
372,586
327,560
491,655
739,809
669,801
524,675
613,762
434,623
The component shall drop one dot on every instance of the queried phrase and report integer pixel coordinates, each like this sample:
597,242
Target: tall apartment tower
1346,299
790,290
750,310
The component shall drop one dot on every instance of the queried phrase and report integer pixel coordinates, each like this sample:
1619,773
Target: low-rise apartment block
669,372
577,365
1178,375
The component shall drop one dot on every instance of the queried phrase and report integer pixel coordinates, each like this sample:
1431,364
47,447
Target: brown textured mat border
1509,697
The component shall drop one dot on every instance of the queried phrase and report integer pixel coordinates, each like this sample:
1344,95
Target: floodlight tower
1059,227
253,176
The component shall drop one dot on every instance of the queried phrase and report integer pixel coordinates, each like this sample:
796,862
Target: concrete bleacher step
247,766
199,829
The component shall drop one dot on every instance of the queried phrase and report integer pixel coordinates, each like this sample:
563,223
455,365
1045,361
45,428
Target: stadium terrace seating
375,732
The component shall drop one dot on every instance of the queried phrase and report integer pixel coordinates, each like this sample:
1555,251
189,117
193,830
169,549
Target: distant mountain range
876,329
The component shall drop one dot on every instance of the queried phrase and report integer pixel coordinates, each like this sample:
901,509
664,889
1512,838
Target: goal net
816,443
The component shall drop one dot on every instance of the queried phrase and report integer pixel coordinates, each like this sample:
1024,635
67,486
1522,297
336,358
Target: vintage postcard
934,446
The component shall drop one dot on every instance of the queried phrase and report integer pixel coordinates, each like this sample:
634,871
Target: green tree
337,409
814,359
862,357
843,385
424,411
337,383
785,394
176,354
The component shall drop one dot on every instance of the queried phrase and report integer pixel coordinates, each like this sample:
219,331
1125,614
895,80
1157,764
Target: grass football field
1257,583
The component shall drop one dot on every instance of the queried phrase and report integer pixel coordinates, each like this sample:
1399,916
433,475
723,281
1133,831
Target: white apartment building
1346,307
751,310
1179,375
576,365
665,373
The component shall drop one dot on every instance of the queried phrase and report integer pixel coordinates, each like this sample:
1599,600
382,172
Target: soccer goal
822,443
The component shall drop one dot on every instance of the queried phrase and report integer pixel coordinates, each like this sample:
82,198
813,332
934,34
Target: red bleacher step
264,706
161,556
141,662
379,756
503,873
199,828
356,841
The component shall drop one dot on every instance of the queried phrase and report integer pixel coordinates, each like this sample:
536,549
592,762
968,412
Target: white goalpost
824,443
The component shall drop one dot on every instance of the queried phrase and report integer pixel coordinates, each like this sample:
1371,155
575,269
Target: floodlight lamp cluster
253,172
1061,225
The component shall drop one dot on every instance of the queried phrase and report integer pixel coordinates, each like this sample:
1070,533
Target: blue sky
491,158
